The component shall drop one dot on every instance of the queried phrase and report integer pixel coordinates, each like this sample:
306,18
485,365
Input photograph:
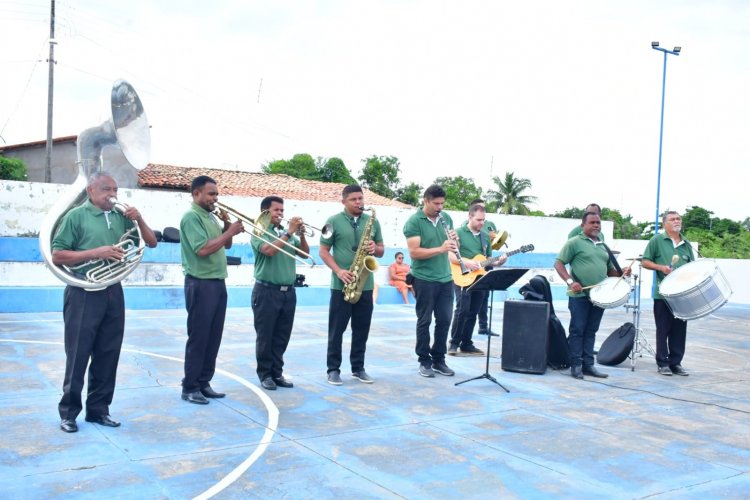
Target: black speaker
525,325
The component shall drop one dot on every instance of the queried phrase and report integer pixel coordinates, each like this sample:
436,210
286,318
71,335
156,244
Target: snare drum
695,290
612,292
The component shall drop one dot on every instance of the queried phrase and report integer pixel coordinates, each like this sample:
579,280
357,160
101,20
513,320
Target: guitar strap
484,242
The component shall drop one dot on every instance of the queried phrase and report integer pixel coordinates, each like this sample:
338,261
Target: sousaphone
127,129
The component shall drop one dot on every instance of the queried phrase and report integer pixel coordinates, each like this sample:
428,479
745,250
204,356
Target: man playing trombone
346,236
204,263
274,300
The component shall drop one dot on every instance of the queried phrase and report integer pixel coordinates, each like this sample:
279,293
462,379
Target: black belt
281,288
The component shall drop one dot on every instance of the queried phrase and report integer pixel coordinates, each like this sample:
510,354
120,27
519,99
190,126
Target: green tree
509,195
696,218
334,170
12,169
411,194
381,175
570,213
624,227
459,192
301,166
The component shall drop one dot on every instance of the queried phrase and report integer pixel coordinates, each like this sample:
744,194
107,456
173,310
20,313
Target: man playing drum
664,253
589,264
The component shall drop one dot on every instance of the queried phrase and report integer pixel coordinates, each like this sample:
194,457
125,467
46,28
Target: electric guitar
464,280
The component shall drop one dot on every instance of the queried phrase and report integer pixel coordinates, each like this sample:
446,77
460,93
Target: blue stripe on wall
15,249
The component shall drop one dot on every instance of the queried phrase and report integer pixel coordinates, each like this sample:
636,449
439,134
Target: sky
564,93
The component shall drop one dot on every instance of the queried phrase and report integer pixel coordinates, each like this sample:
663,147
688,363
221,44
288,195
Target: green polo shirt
579,230
489,226
88,226
471,244
660,250
589,261
345,239
280,269
197,227
431,235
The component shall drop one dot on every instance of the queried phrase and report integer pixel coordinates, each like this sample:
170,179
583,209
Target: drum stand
640,344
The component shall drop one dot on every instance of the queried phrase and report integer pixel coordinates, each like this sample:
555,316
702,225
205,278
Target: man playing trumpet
274,300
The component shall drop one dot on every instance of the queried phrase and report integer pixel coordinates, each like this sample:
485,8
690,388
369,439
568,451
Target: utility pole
50,87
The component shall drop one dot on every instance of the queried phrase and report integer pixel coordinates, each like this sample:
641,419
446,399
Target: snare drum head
688,276
609,291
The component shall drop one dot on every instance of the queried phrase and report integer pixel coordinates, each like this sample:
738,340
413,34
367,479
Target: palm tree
508,197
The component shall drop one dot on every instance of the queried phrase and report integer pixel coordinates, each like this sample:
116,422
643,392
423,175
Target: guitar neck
492,260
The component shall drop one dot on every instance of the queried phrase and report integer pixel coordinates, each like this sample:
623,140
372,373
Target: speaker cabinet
525,325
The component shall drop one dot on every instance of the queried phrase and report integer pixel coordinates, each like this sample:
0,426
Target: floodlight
654,44
677,50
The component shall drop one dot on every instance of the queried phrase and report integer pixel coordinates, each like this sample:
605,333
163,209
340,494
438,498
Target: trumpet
326,231
260,227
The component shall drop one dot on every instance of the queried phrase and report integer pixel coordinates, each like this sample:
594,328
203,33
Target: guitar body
464,280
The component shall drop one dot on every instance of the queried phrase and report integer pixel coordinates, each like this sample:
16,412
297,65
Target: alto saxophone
363,264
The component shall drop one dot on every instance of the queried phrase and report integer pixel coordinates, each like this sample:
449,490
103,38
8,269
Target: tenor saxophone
363,265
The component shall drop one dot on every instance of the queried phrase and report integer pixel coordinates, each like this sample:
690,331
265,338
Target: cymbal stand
640,343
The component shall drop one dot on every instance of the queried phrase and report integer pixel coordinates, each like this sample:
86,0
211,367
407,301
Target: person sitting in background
397,273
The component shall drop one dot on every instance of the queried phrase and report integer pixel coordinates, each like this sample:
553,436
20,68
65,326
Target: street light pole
675,52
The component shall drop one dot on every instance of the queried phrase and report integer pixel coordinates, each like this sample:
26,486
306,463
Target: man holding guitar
474,248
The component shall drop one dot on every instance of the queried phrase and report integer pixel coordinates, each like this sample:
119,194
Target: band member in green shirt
274,298
664,253
430,237
589,265
338,251
204,263
94,320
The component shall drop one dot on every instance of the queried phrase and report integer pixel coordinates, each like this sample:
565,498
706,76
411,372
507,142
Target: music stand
497,279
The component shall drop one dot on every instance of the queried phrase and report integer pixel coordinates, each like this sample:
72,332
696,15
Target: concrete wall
23,206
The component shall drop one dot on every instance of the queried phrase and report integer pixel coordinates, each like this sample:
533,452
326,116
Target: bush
12,169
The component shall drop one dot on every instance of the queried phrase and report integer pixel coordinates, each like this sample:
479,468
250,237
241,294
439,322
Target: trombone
326,231
258,229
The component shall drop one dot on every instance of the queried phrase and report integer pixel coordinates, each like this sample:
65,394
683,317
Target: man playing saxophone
355,236
94,320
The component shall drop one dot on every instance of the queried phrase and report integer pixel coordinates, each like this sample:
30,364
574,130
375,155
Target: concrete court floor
634,435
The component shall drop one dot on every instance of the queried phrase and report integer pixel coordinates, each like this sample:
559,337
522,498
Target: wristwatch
569,281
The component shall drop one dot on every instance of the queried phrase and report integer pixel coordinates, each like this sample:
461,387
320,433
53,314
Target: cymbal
639,258
499,240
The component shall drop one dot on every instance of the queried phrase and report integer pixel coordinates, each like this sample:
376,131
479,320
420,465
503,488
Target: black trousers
206,304
433,299
468,305
339,314
94,328
671,335
273,316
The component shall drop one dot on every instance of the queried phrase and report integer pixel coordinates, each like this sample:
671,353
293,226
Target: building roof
253,184
32,144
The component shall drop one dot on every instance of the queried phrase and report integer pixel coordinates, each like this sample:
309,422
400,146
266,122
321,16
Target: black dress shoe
593,372
195,397
282,382
68,425
576,372
210,393
268,384
104,420
679,370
